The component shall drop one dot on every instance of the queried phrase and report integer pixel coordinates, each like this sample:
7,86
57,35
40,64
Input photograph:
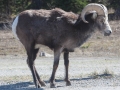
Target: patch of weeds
107,74
86,45
98,37
94,75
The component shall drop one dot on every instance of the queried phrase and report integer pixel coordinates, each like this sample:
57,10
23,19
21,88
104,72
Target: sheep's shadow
30,85
19,86
59,80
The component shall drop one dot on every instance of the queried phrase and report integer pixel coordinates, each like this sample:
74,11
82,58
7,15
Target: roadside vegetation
10,8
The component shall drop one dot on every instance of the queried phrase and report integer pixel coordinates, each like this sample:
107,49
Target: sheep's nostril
107,32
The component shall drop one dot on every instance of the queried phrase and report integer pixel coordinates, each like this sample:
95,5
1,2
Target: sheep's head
99,15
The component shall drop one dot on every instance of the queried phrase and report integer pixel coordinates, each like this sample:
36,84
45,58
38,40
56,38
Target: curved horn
105,10
99,8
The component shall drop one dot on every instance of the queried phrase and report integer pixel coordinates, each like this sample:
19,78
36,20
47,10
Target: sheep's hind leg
39,79
66,63
31,52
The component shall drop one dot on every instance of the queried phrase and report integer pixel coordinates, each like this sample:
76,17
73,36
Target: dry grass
97,45
105,74
9,45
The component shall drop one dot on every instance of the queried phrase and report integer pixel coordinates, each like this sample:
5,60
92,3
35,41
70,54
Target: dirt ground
85,74
93,66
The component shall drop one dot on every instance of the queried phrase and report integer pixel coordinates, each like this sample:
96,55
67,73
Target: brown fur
61,31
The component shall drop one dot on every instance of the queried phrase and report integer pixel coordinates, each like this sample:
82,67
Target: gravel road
86,73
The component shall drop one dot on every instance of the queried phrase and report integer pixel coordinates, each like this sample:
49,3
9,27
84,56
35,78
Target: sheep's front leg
66,63
55,66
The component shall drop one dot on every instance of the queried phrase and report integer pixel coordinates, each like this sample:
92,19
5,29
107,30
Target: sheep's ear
94,16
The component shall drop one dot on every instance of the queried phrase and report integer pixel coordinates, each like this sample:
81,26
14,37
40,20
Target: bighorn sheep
59,30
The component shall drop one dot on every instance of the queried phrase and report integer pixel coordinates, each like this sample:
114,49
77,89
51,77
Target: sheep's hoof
68,83
52,85
38,86
42,83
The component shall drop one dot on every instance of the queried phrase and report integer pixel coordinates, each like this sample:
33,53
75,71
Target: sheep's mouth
107,34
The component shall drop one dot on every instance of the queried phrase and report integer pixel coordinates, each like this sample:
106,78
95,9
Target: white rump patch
14,25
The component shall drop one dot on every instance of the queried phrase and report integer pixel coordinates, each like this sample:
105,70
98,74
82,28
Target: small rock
44,54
